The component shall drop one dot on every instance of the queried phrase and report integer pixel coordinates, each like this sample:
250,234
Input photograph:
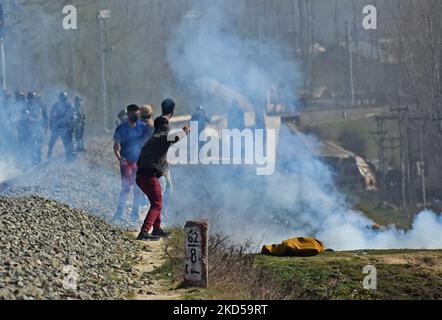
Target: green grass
385,216
338,275
401,274
370,204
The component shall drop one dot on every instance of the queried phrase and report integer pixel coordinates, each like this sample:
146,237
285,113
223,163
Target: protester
129,138
146,116
152,165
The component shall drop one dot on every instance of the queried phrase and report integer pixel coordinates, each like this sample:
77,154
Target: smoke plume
301,198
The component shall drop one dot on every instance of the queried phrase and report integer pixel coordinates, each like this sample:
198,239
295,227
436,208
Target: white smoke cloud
301,199
7,169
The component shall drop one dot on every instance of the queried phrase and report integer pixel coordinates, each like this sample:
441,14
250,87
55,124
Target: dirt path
152,256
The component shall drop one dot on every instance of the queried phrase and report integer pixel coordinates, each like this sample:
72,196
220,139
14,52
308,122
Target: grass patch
236,274
371,205
338,275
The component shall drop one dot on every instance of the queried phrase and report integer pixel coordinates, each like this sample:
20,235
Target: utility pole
403,152
193,15
350,63
102,18
2,45
72,70
381,136
420,121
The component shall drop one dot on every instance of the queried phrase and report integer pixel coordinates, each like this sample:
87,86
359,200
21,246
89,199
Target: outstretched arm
177,136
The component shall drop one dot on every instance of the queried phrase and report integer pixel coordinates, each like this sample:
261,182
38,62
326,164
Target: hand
186,129
123,161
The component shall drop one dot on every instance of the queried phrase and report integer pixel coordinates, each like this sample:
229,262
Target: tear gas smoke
301,198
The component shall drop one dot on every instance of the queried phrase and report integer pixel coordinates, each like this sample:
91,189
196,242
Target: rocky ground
54,235
46,247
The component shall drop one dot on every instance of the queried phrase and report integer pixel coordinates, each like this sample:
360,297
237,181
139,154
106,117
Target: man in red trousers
152,165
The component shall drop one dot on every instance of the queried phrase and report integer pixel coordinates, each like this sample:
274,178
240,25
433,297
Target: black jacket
153,157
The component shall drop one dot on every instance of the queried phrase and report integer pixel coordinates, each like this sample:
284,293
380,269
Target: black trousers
67,138
79,138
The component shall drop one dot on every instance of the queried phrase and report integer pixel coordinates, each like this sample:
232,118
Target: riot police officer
34,119
43,106
80,121
61,124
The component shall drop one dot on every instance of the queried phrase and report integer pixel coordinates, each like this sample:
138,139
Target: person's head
78,99
161,125
146,112
200,108
133,113
63,96
168,107
32,96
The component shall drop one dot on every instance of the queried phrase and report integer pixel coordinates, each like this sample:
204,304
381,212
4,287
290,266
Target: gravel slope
91,183
40,237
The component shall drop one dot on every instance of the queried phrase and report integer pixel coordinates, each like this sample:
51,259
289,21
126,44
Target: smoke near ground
91,183
7,169
301,199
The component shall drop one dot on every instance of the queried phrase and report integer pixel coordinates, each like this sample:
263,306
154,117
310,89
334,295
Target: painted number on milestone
194,267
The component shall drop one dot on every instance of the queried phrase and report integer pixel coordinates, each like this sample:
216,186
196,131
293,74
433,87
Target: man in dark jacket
152,165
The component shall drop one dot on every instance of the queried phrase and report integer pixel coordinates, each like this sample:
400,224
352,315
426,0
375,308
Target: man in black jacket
152,165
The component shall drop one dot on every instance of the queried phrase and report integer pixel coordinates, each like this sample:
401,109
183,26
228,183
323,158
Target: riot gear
34,118
61,123
63,96
80,121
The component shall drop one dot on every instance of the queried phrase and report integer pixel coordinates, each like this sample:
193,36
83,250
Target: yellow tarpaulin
295,247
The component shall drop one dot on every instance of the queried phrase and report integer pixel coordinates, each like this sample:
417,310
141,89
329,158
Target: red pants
128,174
152,188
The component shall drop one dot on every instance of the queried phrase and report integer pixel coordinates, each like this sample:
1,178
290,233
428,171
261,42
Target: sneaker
145,236
160,233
